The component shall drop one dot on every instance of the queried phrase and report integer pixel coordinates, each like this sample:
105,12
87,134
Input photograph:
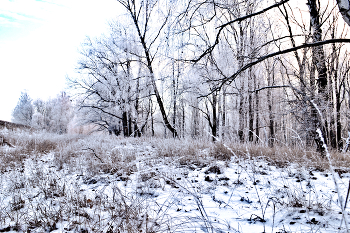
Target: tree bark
214,125
242,92
344,9
251,76
271,122
223,121
257,120
251,118
319,58
195,115
125,124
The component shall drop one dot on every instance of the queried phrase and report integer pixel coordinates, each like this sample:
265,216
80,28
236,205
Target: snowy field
107,184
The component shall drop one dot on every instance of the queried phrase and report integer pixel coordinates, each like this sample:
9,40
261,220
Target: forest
252,71
249,71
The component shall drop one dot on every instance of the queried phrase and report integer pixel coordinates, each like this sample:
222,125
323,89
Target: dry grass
280,156
101,154
25,144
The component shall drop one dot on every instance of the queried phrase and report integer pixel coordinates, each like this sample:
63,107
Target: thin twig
93,151
347,196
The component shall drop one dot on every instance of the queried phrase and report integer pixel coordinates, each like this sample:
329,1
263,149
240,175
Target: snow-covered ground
146,192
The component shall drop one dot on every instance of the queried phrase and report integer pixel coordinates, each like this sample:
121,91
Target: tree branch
306,45
269,87
254,14
211,48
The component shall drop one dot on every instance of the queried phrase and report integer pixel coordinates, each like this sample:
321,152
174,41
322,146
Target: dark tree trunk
337,99
174,96
131,8
251,77
195,128
183,118
339,127
318,52
251,118
223,128
214,126
250,109
318,57
130,125
271,120
271,82
125,124
242,91
159,99
310,134
241,119
152,118
257,122
333,103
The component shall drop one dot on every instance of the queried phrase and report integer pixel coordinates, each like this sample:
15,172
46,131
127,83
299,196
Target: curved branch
306,45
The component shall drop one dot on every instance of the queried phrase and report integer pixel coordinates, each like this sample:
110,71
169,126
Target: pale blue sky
39,42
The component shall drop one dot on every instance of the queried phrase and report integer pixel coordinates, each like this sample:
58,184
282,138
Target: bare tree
23,112
110,94
143,14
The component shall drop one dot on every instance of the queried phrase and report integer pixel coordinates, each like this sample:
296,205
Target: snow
165,195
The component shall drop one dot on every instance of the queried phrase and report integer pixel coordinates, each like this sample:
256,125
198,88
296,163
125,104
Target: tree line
53,115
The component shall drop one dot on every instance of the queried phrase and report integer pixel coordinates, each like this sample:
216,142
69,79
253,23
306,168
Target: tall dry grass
281,156
59,200
111,154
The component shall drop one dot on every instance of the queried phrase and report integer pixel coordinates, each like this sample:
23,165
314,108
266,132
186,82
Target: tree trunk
219,114
251,79
337,98
271,119
159,100
257,123
152,118
195,115
241,120
251,118
250,108
242,89
174,96
310,134
214,125
125,124
318,57
130,6
223,121
270,82
183,118
129,125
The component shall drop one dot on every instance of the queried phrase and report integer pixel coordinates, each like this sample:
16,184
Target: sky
39,44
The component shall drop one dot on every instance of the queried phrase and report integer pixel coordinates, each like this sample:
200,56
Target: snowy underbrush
99,183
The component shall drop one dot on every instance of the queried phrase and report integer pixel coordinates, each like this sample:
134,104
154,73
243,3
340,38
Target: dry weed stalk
340,197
